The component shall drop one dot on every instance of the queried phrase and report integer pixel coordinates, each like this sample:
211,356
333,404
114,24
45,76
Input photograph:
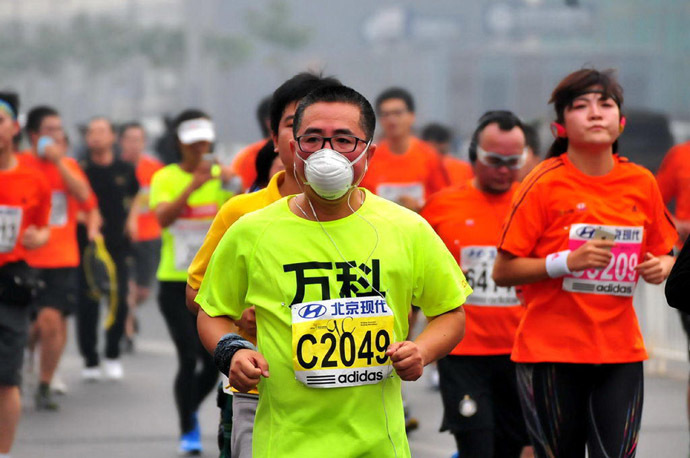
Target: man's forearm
441,335
168,212
212,329
76,186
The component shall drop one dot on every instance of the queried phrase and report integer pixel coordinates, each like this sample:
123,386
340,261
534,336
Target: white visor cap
196,130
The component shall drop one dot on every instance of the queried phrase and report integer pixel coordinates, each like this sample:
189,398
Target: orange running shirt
469,223
417,173
244,163
674,179
24,201
147,223
586,317
62,249
458,171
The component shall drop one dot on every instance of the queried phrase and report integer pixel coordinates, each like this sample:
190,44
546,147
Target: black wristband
228,345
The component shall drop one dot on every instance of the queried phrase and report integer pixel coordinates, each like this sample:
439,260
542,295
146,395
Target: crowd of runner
291,279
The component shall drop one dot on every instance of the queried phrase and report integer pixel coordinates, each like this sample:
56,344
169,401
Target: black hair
186,115
506,120
435,132
131,125
35,117
396,93
263,114
295,89
12,99
101,118
343,94
263,164
576,84
532,138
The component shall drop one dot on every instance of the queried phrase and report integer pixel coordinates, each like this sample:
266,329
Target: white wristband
557,264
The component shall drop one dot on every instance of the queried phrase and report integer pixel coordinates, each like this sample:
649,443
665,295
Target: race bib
58,209
10,225
478,264
619,277
188,236
143,199
394,192
342,342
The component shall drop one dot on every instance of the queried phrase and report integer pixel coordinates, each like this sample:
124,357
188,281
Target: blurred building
459,58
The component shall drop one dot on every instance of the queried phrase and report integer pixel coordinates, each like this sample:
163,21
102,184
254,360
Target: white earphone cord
376,232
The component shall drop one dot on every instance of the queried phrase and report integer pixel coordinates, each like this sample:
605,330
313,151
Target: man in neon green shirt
238,415
332,273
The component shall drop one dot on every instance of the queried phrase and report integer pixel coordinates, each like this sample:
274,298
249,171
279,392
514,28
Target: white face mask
329,173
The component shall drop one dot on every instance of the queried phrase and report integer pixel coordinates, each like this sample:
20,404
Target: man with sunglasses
477,379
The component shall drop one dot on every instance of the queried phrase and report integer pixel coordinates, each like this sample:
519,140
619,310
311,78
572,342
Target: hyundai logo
312,311
586,232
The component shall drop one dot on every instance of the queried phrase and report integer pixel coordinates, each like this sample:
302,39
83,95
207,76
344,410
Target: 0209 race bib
619,277
10,225
188,236
478,264
342,342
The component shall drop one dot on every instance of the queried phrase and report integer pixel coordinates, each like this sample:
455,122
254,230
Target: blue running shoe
190,442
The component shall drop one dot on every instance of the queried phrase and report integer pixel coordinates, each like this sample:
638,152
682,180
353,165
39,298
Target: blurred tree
102,43
271,25
227,49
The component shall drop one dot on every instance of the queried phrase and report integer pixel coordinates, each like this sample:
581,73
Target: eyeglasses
311,143
392,113
495,160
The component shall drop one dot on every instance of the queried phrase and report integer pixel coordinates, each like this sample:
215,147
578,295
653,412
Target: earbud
621,126
558,130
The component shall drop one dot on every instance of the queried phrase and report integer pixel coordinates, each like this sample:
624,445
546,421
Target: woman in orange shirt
583,227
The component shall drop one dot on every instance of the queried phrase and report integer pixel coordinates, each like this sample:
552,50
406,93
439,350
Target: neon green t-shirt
182,239
289,268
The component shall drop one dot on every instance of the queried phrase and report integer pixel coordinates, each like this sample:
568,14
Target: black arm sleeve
678,283
133,183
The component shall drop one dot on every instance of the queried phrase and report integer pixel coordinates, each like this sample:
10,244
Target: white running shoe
435,379
57,385
91,374
112,369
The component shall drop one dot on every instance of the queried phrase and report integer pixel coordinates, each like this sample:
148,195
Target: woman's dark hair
532,138
576,84
186,115
263,164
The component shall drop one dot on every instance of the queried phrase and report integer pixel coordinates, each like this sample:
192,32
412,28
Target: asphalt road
136,417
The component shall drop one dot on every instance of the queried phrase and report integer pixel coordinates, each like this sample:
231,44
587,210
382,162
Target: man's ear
274,139
371,151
